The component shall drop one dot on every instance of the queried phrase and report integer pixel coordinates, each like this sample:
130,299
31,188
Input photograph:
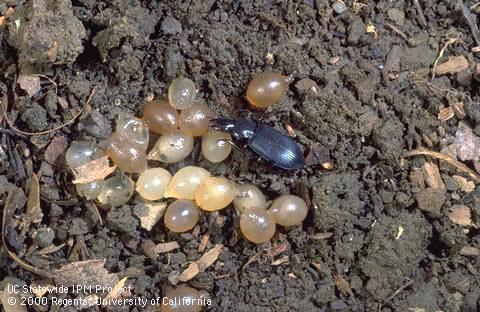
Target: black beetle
268,143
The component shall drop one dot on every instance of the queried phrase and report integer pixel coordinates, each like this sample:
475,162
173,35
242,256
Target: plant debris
460,215
97,169
201,264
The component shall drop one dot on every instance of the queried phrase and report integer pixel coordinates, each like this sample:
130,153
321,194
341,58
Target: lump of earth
35,117
389,260
122,220
46,32
389,139
431,200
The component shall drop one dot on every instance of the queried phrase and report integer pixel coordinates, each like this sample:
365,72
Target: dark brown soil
363,97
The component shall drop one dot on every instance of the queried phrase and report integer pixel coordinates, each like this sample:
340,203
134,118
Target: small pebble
339,7
44,237
171,26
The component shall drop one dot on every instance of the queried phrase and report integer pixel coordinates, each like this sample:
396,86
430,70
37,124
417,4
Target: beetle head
222,123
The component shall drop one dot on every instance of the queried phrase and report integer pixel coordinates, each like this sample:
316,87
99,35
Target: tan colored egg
181,215
182,299
216,146
181,93
133,129
152,183
90,190
267,88
289,210
257,225
81,153
215,193
248,197
172,147
160,117
185,182
127,156
116,191
195,119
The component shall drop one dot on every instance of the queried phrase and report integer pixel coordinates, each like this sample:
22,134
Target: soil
376,237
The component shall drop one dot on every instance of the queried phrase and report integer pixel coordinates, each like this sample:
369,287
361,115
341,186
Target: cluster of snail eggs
258,224
193,188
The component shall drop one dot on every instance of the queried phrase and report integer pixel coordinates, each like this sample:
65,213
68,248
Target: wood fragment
470,251
30,84
396,30
432,175
97,169
440,54
421,17
445,114
342,285
460,167
201,264
322,235
460,214
150,213
153,250
34,212
471,20
464,184
459,110
117,290
454,65
204,242
280,261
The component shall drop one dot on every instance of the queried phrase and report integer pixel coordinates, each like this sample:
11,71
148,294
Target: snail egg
248,197
116,191
133,130
127,156
181,215
160,117
172,147
289,210
257,225
90,190
182,299
81,153
267,88
215,193
152,183
216,146
185,182
195,119
181,93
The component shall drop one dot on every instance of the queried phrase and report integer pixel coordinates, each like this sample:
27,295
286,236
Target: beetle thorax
243,129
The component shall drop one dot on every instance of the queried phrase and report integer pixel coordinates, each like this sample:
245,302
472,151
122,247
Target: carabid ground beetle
268,143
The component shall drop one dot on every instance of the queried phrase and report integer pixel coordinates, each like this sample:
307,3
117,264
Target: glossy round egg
160,117
185,182
152,183
81,153
90,190
289,210
132,129
216,146
128,156
116,190
267,88
172,147
215,193
257,225
181,215
195,119
182,299
248,197
182,93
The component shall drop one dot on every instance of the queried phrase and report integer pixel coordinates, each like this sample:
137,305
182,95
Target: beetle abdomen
277,148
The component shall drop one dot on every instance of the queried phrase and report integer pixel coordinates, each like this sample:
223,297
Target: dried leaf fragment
342,285
89,272
460,214
95,170
34,213
454,65
149,213
432,176
464,184
467,143
117,290
201,264
445,114
30,84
